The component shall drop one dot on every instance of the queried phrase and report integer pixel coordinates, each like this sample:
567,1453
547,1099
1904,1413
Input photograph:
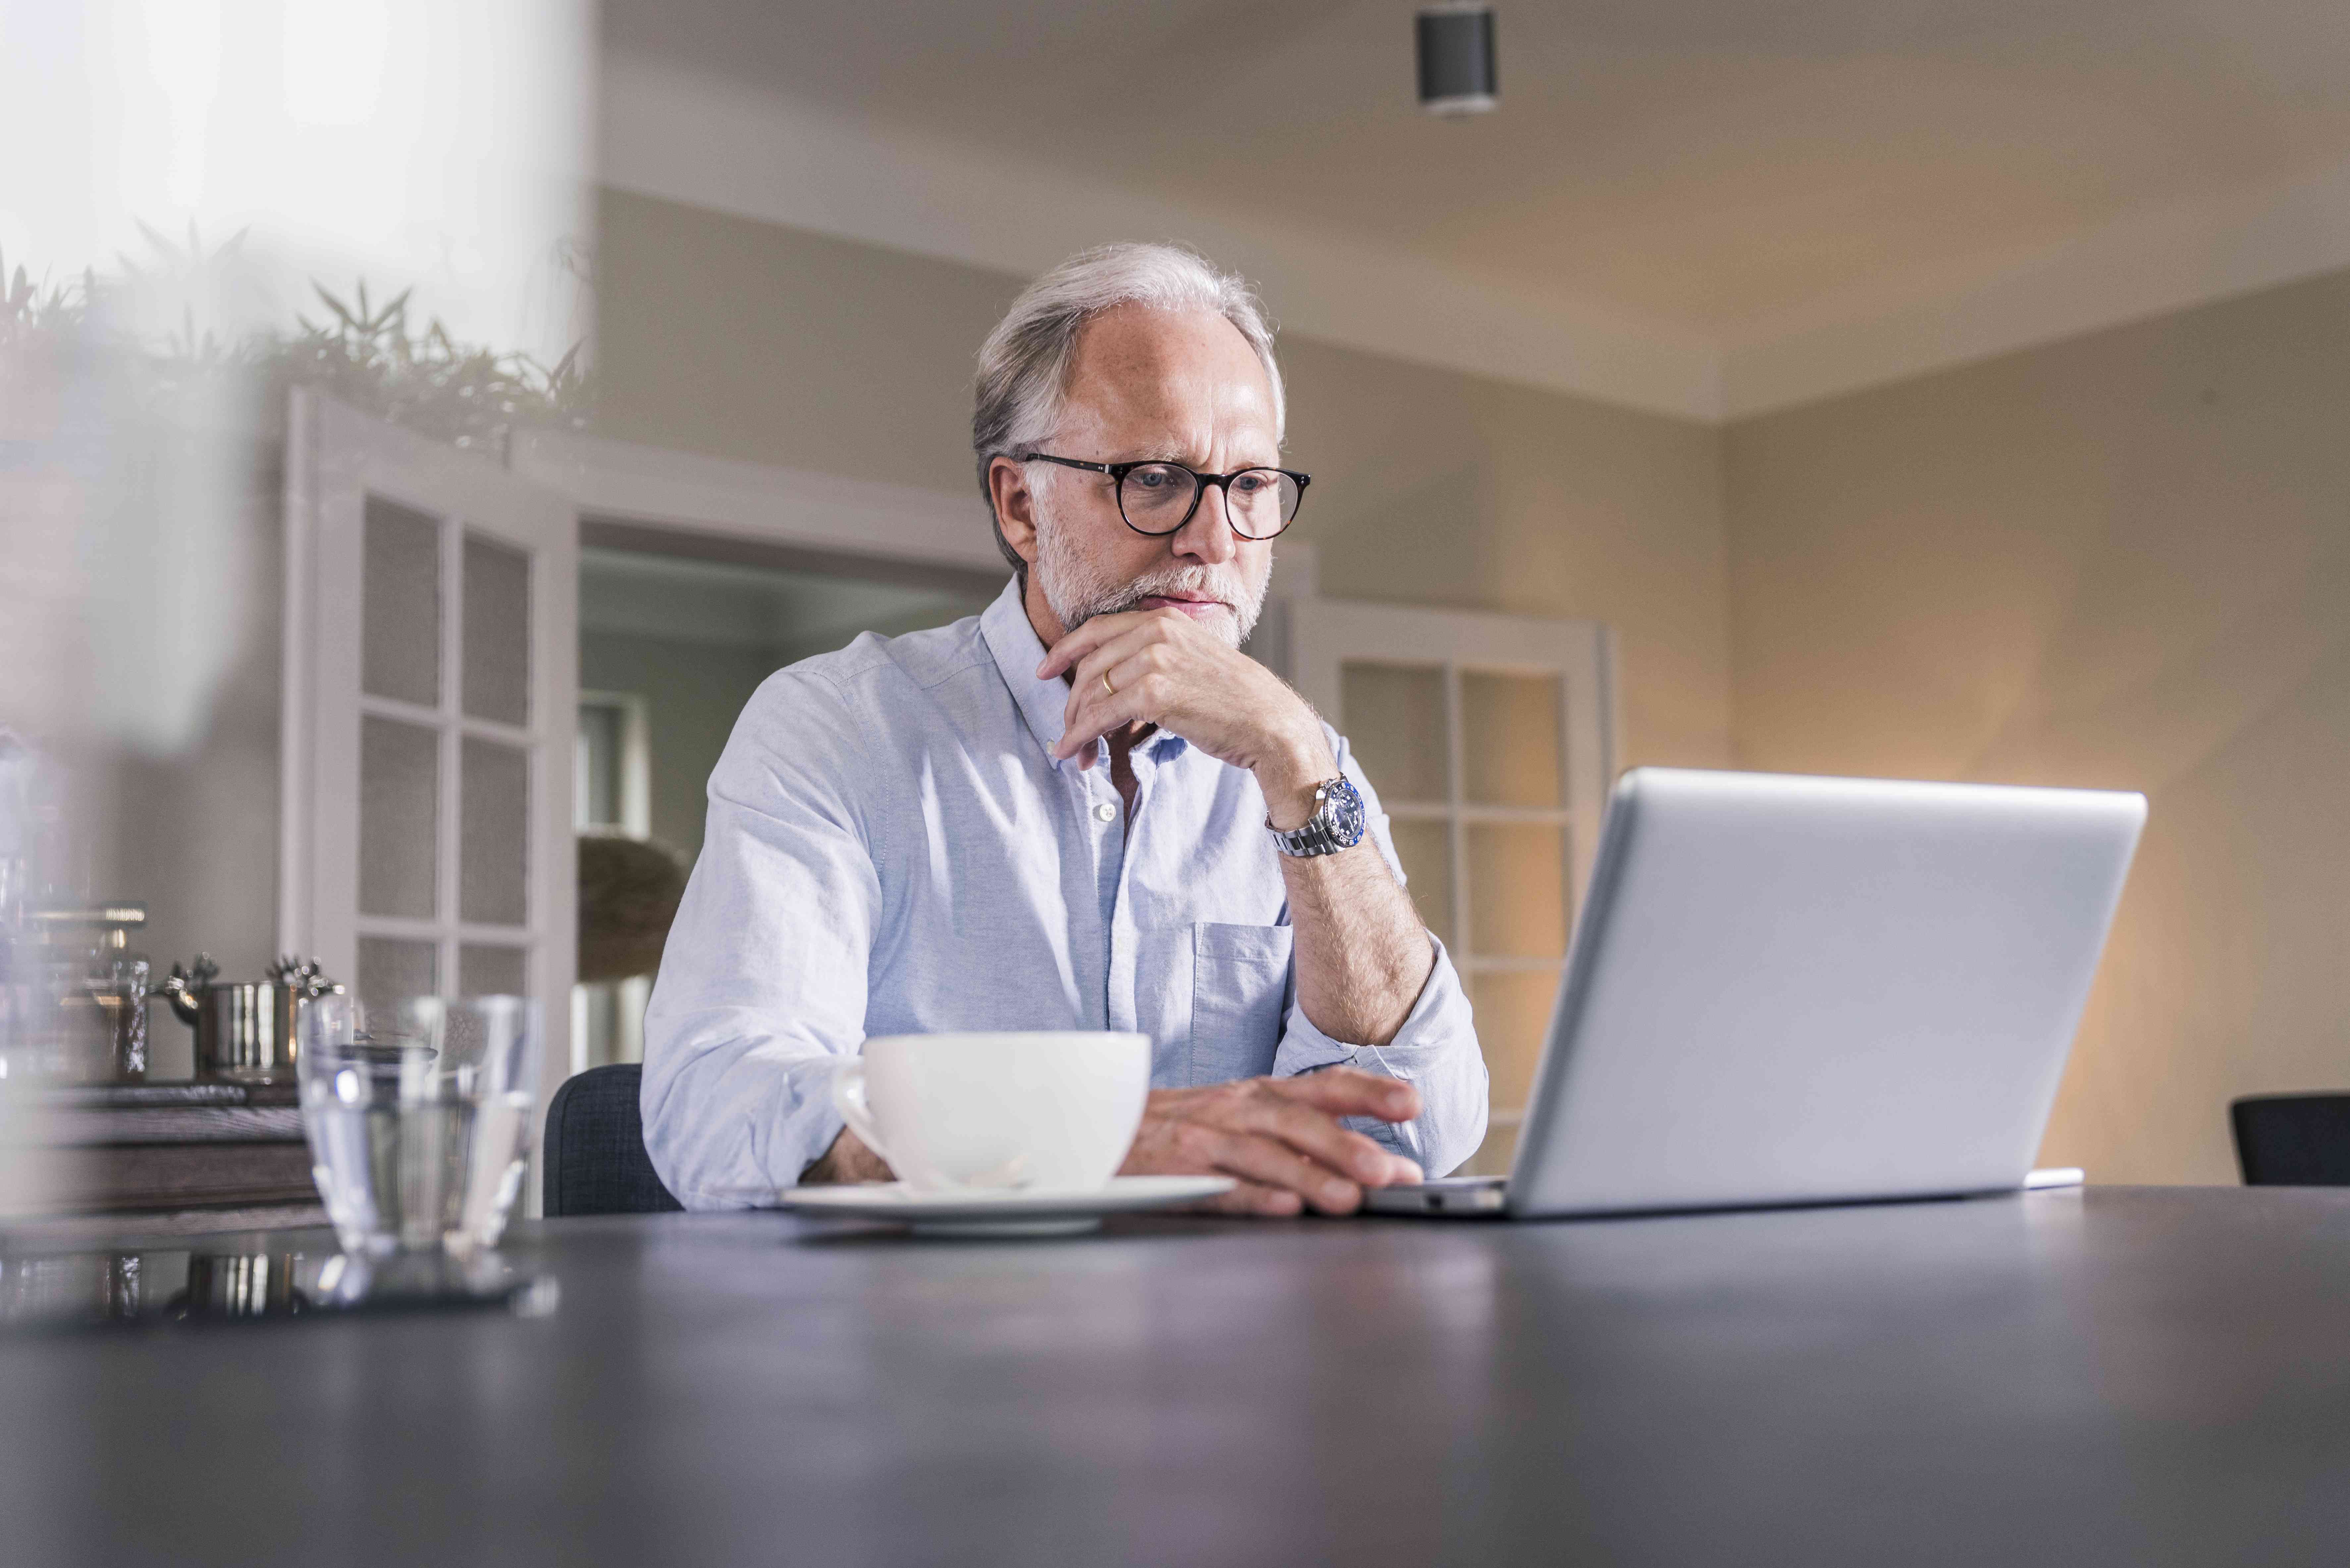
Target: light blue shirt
892,850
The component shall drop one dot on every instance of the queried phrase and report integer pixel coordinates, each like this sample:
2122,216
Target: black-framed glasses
1159,498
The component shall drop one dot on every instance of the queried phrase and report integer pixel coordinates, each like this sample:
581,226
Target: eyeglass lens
1158,496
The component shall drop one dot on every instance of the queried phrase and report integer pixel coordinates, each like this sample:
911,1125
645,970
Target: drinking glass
418,1115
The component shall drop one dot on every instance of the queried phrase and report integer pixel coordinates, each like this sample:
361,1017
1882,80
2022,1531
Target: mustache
1215,582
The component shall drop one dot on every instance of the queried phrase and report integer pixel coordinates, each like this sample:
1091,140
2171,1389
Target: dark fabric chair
2293,1141
595,1160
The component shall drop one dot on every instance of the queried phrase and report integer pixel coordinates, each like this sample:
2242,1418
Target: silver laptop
1789,990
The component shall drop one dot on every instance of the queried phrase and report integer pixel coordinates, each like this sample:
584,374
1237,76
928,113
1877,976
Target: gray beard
1079,590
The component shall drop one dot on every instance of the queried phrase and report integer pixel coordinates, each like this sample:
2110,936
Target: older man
1083,809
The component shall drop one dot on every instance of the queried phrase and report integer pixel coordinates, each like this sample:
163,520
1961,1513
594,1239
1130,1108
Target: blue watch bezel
1339,821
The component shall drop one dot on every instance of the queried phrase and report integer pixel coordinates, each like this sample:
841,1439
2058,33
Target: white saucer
1007,1211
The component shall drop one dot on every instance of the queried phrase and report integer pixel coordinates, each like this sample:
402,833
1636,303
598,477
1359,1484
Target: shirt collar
1018,651
1042,702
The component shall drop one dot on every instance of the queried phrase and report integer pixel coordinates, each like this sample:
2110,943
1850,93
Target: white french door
1492,741
432,684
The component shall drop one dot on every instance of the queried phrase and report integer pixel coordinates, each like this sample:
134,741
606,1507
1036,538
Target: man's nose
1209,536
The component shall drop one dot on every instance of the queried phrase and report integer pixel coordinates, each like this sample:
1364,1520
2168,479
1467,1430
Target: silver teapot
247,1031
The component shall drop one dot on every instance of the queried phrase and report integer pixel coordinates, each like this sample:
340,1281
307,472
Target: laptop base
1452,1196
1487,1197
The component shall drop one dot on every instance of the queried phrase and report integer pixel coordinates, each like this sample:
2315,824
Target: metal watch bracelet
1336,823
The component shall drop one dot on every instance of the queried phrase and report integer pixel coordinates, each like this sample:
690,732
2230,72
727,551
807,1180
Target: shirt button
1104,812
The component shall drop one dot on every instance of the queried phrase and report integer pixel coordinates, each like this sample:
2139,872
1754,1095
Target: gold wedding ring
1107,686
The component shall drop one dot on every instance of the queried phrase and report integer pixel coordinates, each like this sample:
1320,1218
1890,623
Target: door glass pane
390,971
1394,720
398,818
1425,848
494,831
1510,743
596,767
497,632
400,614
1517,890
1513,1013
486,971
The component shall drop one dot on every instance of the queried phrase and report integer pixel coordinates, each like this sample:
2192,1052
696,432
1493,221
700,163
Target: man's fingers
1102,628
1076,645
1284,1151
1094,714
1115,669
1256,1198
1094,708
1083,723
1112,649
1351,1092
1313,1133
1129,667
1272,1162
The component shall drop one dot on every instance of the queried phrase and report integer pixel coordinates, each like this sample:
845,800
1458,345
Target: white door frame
755,503
1326,632
336,458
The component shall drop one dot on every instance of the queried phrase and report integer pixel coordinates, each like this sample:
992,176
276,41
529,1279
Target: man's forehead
1142,334
1139,363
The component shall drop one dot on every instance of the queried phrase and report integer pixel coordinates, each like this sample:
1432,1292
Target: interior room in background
1792,490
672,644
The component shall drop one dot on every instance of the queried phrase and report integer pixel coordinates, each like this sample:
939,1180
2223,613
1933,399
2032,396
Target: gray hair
1023,366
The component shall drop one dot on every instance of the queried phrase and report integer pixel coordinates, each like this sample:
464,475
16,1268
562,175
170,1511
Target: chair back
595,1161
2293,1141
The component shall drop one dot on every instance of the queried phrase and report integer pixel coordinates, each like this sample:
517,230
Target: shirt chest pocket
1240,994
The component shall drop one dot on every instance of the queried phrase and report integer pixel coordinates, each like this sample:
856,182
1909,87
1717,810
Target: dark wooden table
2124,1376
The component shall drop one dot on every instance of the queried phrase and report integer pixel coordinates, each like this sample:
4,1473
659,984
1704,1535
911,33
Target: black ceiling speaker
1456,59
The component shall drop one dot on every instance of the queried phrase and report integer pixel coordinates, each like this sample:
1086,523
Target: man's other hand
848,1161
1280,1136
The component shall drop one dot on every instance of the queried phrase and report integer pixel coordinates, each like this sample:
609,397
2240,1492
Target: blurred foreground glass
419,1116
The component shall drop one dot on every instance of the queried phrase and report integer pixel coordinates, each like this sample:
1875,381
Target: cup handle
848,1099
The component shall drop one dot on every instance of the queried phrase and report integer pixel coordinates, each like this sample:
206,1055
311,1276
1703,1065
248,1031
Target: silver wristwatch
1336,823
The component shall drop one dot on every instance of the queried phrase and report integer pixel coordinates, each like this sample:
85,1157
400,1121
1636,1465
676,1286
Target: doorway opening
677,629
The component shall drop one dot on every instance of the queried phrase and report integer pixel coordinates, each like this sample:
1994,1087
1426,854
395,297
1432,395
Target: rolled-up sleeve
1436,1050
762,989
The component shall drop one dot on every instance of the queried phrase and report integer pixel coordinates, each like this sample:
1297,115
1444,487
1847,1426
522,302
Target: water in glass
419,1118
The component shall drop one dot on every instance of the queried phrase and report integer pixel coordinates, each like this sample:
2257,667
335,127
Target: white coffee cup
1052,1111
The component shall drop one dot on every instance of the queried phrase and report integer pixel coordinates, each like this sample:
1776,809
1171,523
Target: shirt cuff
1435,1050
1438,1017
777,1120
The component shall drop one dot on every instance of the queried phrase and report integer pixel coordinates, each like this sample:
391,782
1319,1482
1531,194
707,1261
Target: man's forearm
1362,954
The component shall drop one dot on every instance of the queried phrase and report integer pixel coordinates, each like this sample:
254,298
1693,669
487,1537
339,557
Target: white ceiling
1675,198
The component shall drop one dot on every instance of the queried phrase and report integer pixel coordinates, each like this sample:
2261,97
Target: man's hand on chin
1280,1136
1166,668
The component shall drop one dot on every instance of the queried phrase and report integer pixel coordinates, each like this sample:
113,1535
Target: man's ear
1015,506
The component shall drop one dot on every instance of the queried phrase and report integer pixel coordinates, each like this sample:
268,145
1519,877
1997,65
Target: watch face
1345,810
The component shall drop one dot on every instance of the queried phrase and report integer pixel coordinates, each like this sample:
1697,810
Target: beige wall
2120,561
725,335
743,339
1432,487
